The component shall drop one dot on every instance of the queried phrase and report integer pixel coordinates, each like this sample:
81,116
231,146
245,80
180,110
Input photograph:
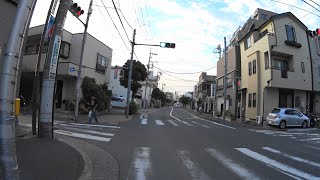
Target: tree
139,73
185,100
157,94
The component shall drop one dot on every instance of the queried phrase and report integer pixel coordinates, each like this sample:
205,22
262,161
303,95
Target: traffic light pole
225,80
130,72
76,111
50,71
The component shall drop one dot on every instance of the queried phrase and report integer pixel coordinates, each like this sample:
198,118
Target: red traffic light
318,31
76,10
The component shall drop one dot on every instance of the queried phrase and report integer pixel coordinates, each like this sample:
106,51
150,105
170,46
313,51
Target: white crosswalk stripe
304,136
83,136
193,169
276,164
234,167
143,167
292,157
159,122
144,121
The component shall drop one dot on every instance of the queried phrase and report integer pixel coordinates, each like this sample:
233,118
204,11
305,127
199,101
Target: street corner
98,163
65,161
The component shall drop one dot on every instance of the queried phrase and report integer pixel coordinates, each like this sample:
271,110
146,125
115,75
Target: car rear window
275,110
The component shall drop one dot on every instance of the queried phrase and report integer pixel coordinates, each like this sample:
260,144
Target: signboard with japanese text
54,57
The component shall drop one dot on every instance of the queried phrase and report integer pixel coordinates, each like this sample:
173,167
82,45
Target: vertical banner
54,57
49,29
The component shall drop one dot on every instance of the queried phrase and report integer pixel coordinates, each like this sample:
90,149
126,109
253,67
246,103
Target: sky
196,27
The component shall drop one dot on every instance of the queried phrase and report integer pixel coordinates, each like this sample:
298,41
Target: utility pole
130,71
76,111
225,80
36,79
50,71
216,81
147,82
10,62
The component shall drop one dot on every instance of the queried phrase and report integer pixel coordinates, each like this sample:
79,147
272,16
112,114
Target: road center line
200,124
173,123
210,121
179,119
234,167
276,164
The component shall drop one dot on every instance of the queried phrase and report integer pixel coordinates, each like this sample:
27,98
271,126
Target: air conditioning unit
258,120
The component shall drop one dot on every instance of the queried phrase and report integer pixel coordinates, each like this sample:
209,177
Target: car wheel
304,124
282,125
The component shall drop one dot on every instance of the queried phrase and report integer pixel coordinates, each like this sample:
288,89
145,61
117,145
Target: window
29,50
254,100
302,67
289,111
297,101
296,113
275,110
281,65
249,100
247,43
266,60
290,33
250,70
64,49
101,63
230,102
254,67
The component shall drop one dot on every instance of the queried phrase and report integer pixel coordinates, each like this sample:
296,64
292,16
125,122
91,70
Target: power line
125,19
115,25
185,73
315,3
295,7
179,78
114,5
310,5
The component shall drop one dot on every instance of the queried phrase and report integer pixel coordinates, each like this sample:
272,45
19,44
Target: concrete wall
117,89
271,100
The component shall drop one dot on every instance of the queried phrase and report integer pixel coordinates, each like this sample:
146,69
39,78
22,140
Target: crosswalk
97,132
242,162
311,136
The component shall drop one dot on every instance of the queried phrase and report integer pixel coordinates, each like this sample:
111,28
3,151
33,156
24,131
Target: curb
103,162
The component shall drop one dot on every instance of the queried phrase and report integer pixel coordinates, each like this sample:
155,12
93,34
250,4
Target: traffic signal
167,45
76,10
314,34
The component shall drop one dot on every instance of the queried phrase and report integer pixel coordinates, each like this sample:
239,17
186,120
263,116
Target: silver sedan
285,117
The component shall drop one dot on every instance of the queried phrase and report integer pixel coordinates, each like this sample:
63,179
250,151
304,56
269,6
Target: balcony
68,68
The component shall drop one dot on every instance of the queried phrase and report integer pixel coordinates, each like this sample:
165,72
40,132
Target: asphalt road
171,143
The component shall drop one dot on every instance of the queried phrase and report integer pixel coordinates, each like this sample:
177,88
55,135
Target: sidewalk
237,121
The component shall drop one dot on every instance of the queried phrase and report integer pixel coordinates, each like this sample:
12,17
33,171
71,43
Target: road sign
72,69
54,57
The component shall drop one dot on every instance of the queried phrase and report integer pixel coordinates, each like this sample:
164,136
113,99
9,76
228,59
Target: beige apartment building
97,59
275,66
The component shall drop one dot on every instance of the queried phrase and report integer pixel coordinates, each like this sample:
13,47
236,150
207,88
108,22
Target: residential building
233,76
153,83
96,62
314,103
204,94
275,62
115,86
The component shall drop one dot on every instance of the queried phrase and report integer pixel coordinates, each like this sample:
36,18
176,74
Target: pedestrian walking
93,110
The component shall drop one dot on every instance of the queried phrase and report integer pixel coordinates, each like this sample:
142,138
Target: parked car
285,117
118,102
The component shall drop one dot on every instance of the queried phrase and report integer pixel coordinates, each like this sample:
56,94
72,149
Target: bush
90,88
229,114
133,108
